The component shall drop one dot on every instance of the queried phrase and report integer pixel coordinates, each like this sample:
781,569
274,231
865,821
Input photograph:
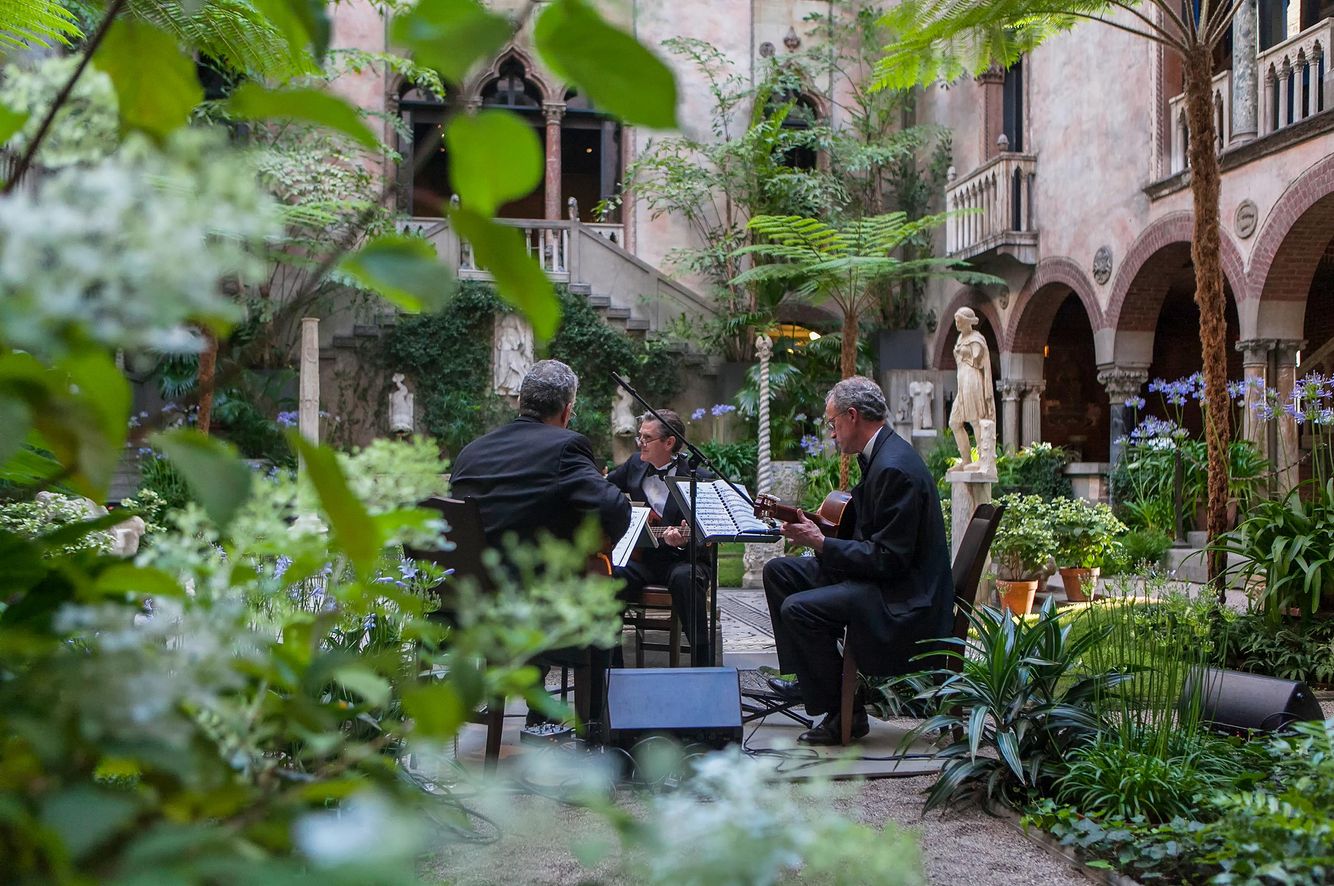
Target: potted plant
1024,543
1086,534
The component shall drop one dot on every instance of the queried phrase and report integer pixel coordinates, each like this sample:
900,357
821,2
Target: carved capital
554,112
1257,350
1123,382
1010,389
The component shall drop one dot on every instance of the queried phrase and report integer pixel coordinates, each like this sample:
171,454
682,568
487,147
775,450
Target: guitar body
834,516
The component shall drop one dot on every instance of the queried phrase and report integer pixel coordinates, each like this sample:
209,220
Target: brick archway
1030,322
1161,252
942,356
1294,238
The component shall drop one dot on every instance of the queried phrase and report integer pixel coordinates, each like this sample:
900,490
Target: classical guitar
834,516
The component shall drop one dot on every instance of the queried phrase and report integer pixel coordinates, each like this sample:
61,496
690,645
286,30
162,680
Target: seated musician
641,477
534,475
891,580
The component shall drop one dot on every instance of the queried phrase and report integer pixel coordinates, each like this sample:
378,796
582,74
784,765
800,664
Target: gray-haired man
891,580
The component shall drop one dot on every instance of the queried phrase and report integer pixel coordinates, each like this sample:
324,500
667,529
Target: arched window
801,116
1012,106
512,89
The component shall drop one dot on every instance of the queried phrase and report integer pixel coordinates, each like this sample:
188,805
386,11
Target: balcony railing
995,205
1295,79
547,241
1222,104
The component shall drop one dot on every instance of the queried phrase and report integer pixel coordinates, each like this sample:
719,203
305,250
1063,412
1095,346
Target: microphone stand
696,458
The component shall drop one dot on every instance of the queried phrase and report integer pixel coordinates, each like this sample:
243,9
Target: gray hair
860,393
672,426
548,388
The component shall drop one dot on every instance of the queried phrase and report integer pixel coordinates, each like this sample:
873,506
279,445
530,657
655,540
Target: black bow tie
663,471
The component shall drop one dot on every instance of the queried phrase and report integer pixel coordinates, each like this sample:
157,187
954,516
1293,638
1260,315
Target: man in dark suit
534,475
642,477
891,580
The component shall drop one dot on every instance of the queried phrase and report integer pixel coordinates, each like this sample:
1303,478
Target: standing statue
513,353
905,409
623,420
974,404
922,393
400,407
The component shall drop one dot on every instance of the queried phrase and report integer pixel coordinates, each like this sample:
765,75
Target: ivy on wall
447,355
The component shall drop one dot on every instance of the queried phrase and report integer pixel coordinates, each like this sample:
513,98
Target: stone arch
1030,321
1287,251
941,354
532,72
1143,279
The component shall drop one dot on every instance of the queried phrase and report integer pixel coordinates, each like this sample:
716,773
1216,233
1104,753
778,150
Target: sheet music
620,555
721,513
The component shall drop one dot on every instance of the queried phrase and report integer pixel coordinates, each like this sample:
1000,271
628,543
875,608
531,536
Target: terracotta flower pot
1080,583
1016,596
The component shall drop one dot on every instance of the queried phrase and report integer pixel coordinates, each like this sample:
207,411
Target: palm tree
819,261
949,38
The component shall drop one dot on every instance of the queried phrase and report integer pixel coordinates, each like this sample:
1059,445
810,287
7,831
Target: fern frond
235,33
43,22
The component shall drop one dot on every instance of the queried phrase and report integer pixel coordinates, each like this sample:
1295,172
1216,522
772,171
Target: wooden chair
969,562
651,610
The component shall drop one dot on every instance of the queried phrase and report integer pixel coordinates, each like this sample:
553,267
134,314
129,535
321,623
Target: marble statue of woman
974,404
400,407
513,354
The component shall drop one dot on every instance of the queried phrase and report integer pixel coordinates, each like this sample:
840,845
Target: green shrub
160,477
1037,469
1086,532
819,477
1290,649
737,461
1024,540
1137,550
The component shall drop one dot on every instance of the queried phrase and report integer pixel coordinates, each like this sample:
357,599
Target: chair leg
674,644
495,725
848,690
639,646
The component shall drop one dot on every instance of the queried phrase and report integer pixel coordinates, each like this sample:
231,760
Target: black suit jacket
629,478
899,546
529,476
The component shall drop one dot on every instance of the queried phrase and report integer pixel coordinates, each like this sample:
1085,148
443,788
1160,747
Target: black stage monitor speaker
691,705
1238,702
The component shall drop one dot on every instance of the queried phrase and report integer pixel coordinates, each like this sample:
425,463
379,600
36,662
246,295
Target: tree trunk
1205,253
208,361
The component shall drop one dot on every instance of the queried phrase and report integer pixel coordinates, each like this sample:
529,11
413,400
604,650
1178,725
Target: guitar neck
657,531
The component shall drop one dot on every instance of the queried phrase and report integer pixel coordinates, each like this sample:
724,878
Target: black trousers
810,611
691,606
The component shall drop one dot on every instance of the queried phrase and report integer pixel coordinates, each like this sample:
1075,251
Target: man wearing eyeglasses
643,477
889,585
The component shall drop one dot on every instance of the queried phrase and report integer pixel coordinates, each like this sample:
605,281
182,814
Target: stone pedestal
968,489
786,486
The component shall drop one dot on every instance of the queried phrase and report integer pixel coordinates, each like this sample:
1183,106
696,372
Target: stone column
756,555
553,111
1245,73
1032,420
308,415
1010,392
991,84
1122,383
1255,373
1285,380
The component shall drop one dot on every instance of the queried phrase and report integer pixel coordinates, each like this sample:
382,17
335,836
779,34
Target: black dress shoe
829,733
788,690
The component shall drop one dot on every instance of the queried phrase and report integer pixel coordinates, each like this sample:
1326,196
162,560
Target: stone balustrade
546,241
1180,141
1295,78
995,206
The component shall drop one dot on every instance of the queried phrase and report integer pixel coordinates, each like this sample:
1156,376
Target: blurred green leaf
15,421
436,710
11,121
501,250
84,816
353,529
450,36
126,578
155,82
405,270
251,101
301,22
494,157
365,682
608,65
217,478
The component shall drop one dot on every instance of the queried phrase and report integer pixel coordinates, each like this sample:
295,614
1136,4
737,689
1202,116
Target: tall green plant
1022,701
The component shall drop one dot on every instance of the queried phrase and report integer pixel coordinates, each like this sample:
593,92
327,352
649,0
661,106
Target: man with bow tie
643,476
891,580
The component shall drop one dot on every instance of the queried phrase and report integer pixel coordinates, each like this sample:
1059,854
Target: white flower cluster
85,129
129,251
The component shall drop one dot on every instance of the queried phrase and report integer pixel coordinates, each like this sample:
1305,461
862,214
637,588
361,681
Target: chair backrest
464,520
969,562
